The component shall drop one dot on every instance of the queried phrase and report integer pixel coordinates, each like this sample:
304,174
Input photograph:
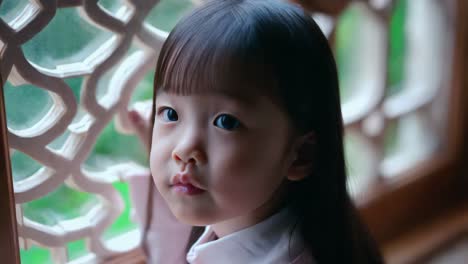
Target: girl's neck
269,208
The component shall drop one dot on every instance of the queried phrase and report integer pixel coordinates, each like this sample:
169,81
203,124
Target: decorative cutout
397,48
78,50
362,158
38,102
23,166
119,9
62,204
165,15
18,13
361,52
413,141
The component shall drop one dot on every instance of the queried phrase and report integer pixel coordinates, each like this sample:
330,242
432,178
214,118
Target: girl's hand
139,117
330,7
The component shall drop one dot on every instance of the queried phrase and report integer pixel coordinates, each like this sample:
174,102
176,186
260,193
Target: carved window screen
73,69
393,59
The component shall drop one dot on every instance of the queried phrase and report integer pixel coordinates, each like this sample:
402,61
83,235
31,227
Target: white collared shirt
267,242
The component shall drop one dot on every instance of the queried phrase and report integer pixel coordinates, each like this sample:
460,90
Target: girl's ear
303,156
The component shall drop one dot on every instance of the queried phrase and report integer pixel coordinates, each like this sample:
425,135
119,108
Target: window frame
9,246
437,186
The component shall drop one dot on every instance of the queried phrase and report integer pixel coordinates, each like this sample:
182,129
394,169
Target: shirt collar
269,241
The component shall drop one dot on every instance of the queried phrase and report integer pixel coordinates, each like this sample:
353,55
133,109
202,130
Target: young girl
247,142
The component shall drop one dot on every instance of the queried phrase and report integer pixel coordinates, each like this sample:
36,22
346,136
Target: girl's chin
193,219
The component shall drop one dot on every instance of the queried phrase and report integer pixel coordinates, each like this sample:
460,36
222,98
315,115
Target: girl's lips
187,189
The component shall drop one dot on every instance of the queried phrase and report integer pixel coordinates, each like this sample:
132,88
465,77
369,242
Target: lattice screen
394,59
75,66
78,64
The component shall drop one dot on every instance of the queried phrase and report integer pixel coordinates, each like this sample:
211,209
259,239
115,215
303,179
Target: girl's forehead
244,101
241,96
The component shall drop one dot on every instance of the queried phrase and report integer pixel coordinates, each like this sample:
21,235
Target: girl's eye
227,122
169,114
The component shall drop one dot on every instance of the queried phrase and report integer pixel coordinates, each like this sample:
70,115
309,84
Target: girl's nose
195,157
189,150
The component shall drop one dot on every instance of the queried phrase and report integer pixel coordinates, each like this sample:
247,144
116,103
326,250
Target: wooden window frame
434,192
9,247
391,210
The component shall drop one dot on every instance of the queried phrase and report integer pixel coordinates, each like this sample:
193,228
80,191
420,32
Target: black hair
269,47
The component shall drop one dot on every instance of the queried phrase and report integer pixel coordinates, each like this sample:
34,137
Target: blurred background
401,76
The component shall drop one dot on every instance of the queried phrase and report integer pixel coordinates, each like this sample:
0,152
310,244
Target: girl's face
237,154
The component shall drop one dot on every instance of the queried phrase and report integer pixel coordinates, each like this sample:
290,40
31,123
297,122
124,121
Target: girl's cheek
233,158
162,135
162,129
159,148
163,143
160,151
153,160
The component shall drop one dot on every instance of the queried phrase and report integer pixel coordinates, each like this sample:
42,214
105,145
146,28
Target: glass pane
35,255
390,139
360,162
57,143
67,136
64,203
107,85
75,85
37,100
396,63
10,9
360,53
118,8
111,5
408,140
112,83
77,249
167,13
345,43
74,46
124,222
112,148
23,166
144,90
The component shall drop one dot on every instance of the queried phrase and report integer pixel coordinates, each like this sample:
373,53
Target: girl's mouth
187,188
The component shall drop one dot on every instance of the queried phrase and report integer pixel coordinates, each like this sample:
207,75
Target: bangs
217,54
